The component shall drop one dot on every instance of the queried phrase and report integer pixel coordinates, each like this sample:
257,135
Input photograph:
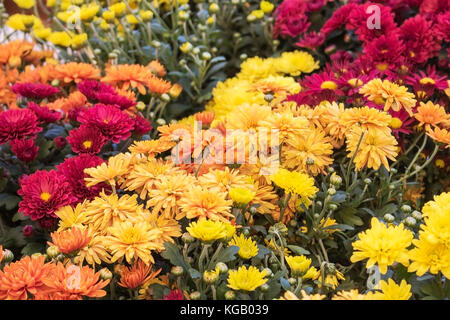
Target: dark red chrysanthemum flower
443,26
44,114
72,170
43,192
385,52
291,18
420,39
25,150
338,19
141,125
34,90
86,139
114,124
174,295
18,124
60,142
104,93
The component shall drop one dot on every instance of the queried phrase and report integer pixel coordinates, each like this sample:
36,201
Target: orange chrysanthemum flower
1,254
73,283
76,72
439,135
157,68
12,52
175,132
430,114
157,85
41,74
128,75
205,117
75,100
136,275
24,277
70,240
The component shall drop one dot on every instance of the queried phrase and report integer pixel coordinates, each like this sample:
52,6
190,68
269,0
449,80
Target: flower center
379,100
45,196
382,66
396,123
87,144
427,80
355,82
331,85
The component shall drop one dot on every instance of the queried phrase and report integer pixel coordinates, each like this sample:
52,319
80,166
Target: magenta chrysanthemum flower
385,52
420,40
114,124
105,94
73,170
18,124
338,19
86,139
44,114
291,18
443,26
34,90
311,40
141,125
25,150
425,83
44,192
174,295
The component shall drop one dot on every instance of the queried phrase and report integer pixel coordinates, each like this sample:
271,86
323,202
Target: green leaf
262,251
194,273
9,201
342,227
228,254
32,247
347,215
298,250
388,208
173,254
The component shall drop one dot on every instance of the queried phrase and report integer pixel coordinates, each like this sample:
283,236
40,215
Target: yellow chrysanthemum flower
266,6
60,38
257,68
25,4
367,118
349,295
298,264
207,230
110,172
374,149
295,183
169,228
106,210
247,247
316,296
308,151
24,22
132,241
432,249
391,291
246,279
72,217
94,253
295,63
391,95
241,196
382,245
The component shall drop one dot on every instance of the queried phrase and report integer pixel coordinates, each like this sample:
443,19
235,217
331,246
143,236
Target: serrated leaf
32,247
215,68
173,254
228,254
298,250
339,197
262,251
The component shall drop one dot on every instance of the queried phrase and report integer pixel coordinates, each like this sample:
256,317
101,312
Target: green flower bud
8,256
367,181
187,238
410,221
196,50
213,8
268,272
55,82
177,270
52,252
265,287
206,56
309,161
416,215
223,268
161,121
335,180
230,295
292,281
155,43
333,206
210,277
195,295
389,218
405,208
165,97
394,171
268,97
293,223
105,274
331,191
112,55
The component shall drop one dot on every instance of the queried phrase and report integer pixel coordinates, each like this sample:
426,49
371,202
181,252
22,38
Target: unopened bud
309,161
8,256
265,287
410,221
161,121
105,274
416,215
230,295
223,268
177,270
195,295
206,56
52,251
331,191
389,218
333,206
367,181
292,281
405,208
210,277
